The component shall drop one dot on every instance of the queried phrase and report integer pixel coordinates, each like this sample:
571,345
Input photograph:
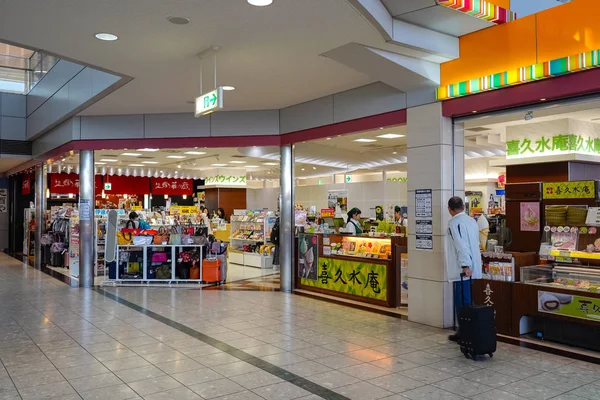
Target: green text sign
569,305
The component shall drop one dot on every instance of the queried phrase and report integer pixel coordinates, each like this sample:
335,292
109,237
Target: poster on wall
308,254
338,198
3,200
530,216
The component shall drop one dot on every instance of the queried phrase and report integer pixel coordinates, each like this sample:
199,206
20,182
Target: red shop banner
69,183
173,186
26,185
126,185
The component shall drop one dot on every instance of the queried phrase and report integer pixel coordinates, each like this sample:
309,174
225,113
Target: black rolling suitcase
477,328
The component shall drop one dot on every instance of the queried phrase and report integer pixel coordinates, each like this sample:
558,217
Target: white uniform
462,247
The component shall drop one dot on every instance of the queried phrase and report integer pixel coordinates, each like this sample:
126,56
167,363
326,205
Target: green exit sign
107,186
348,178
320,182
209,102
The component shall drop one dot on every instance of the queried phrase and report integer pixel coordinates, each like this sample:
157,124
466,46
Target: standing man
463,254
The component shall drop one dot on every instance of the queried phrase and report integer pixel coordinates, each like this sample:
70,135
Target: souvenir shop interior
542,268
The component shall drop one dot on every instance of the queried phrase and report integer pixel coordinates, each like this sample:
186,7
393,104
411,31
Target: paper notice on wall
3,200
424,219
84,210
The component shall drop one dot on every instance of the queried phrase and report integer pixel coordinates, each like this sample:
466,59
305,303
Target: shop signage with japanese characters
569,190
26,185
225,180
569,305
173,186
351,277
552,145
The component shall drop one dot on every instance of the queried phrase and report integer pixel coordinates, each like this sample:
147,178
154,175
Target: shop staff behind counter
353,225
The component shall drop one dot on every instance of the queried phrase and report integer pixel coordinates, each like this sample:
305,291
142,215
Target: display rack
250,240
140,263
99,264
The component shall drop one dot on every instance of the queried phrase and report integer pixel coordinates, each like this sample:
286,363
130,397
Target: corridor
133,343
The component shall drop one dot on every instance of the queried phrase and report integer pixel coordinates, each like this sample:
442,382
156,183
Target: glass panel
13,80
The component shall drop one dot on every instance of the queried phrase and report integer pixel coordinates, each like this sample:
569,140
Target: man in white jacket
463,253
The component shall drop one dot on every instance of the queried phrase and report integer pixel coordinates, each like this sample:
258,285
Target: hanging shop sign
69,183
173,186
225,180
3,200
138,185
209,102
569,190
569,305
327,212
352,277
26,185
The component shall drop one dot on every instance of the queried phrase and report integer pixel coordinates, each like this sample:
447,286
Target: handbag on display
189,230
124,238
185,257
195,272
161,237
186,239
124,256
159,257
47,239
149,232
200,240
163,272
133,267
202,231
142,240
175,236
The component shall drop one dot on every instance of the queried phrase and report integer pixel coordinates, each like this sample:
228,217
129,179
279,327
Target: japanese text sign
225,180
351,277
173,186
26,185
569,190
569,305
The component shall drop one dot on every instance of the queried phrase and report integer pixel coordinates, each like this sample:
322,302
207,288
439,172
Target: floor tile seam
271,368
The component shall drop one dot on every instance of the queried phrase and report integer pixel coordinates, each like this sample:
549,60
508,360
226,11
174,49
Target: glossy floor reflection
131,343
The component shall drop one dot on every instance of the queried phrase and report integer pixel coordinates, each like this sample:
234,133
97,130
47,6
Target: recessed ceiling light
391,136
108,160
314,167
381,128
218,165
302,169
136,165
271,163
251,166
100,163
260,3
179,166
542,99
149,162
474,112
365,140
228,87
237,162
148,150
195,153
394,152
178,20
131,154
179,157
107,37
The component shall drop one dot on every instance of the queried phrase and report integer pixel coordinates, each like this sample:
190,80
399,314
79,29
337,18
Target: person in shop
206,220
398,218
275,240
135,222
353,226
221,214
464,257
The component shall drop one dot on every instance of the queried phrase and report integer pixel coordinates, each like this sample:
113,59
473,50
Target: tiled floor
131,343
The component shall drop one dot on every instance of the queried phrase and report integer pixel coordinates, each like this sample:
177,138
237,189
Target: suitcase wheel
491,355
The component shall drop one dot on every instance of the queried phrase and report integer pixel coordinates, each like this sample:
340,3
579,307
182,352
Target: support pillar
435,161
40,207
286,238
87,230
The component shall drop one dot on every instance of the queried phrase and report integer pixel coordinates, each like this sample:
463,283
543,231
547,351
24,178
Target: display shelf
248,226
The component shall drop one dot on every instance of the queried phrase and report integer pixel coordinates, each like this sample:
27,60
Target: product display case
363,268
561,276
250,239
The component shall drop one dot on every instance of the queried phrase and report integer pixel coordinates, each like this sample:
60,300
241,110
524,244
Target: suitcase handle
462,288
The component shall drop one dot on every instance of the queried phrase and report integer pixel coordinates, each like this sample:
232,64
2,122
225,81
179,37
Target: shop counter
363,268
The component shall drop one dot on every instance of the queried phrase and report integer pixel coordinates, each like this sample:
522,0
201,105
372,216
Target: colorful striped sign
481,9
560,66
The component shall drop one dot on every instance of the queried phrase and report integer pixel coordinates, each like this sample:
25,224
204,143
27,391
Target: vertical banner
3,200
308,254
26,185
530,216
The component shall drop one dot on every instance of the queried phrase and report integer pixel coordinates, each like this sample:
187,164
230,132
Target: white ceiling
270,54
8,162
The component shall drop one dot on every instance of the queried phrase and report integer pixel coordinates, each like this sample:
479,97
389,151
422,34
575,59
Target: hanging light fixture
184,196
166,197
47,193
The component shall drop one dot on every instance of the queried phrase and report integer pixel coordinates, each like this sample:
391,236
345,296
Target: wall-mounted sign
569,305
137,208
225,180
348,178
173,186
424,215
569,190
107,186
209,102
400,179
26,185
547,145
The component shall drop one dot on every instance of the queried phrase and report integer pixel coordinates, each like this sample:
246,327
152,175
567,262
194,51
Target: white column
40,207
286,222
87,230
436,162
